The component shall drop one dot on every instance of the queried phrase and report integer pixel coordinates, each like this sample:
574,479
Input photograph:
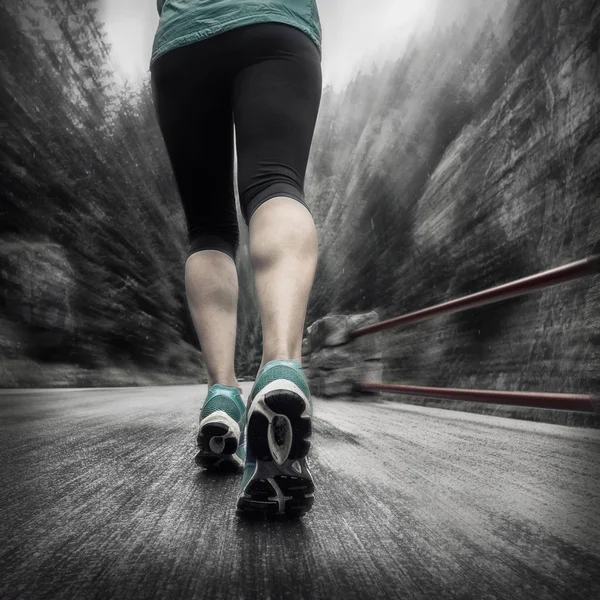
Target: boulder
334,330
37,286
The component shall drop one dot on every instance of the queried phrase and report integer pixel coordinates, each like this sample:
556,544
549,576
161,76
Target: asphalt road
100,498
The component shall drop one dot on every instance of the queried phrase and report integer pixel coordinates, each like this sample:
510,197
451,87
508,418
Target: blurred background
457,147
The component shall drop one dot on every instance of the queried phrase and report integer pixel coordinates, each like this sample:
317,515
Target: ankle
280,356
226,381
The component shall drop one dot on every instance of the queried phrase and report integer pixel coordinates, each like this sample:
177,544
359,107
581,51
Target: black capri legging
267,79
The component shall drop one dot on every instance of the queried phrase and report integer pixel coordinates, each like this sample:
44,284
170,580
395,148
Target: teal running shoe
276,479
222,421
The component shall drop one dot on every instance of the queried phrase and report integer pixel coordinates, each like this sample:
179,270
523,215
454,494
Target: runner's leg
276,101
193,101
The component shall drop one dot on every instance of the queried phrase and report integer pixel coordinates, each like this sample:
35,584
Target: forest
467,161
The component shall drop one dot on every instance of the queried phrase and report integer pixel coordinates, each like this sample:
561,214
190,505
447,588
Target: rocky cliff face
511,186
516,192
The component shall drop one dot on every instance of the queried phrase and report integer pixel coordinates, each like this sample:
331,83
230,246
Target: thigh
276,97
193,104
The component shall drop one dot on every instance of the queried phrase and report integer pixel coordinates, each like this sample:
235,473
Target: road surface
100,498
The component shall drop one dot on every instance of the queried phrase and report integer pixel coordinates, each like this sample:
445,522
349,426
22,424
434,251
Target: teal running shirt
183,22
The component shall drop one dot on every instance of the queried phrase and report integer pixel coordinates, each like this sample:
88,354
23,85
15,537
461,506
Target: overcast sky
354,31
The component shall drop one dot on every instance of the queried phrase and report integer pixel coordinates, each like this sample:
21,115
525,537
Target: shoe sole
218,441
279,425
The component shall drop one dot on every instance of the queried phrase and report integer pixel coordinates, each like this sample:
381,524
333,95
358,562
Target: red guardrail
579,402
527,285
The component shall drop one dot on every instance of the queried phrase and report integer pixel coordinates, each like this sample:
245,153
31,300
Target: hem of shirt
197,36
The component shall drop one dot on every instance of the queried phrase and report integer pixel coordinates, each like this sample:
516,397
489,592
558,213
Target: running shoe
276,479
222,421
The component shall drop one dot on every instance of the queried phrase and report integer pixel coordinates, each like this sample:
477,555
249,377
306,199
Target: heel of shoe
279,427
218,441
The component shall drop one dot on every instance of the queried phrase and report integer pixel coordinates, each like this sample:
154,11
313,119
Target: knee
254,197
227,243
